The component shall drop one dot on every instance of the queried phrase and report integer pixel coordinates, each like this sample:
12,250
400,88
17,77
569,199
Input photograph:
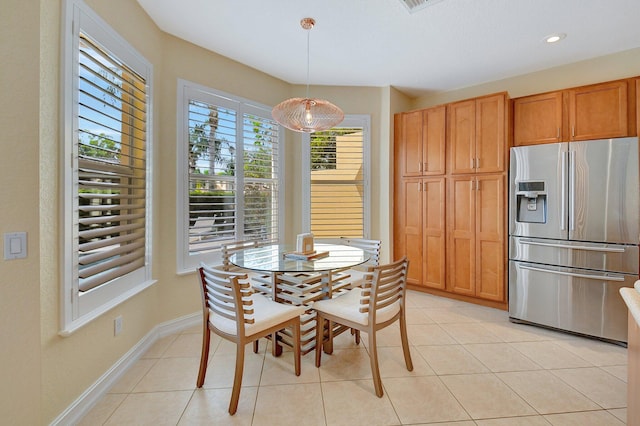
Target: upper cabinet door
420,142
598,111
537,119
491,129
434,132
477,135
461,125
410,148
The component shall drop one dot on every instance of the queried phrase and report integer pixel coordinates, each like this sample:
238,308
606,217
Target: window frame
186,90
350,120
78,309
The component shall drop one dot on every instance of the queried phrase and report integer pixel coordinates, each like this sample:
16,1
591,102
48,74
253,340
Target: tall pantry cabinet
450,211
419,225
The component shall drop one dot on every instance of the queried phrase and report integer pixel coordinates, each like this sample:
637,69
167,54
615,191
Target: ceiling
447,45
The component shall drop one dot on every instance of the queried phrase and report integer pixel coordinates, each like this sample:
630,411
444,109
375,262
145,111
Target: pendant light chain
308,60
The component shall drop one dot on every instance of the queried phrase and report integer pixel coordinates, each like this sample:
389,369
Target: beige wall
19,289
605,68
41,374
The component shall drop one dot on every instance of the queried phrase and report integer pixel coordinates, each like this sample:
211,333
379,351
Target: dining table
289,277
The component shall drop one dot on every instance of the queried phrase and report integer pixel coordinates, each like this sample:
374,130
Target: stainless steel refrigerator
573,236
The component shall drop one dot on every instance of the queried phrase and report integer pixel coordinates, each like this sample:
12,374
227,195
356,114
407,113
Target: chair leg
328,345
237,379
296,345
405,342
319,337
373,358
256,346
356,334
276,348
204,356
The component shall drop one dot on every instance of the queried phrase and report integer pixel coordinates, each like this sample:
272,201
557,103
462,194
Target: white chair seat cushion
348,307
266,314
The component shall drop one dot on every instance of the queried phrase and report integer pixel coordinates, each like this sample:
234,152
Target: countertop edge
632,299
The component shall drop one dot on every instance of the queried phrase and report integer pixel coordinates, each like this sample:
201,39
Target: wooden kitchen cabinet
419,231
464,260
598,111
422,142
476,135
476,236
637,105
537,119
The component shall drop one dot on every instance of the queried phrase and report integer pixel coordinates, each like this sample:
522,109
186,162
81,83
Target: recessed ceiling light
554,38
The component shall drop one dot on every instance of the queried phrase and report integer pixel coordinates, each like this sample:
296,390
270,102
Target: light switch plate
15,245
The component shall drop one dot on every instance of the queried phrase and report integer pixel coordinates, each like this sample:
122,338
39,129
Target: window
229,164
106,162
337,180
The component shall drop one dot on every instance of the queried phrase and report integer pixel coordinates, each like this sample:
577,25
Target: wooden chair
372,248
379,303
228,249
234,312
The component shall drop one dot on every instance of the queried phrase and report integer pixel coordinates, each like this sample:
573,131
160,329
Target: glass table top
271,258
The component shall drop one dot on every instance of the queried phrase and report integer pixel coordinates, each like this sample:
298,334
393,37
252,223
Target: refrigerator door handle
572,190
575,247
572,274
563,192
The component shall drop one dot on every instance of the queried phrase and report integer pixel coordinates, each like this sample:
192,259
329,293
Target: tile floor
471,367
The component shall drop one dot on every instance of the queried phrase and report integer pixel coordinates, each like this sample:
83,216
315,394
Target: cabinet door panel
434,131
461,128
598,111
411,143
434,233
411,221
490,134
537,119
461,228
490,237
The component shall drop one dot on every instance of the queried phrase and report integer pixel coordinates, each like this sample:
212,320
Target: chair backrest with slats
387,288
372,247
229,248
226,298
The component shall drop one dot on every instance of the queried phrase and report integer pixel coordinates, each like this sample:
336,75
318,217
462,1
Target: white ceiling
449,44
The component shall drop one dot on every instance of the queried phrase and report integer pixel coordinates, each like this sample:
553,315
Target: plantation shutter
260,136
337,183
212,183
111,167
233,173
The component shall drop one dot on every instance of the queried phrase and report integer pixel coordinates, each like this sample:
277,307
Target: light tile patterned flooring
471,367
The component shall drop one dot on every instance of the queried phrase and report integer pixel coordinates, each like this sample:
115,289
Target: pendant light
307,114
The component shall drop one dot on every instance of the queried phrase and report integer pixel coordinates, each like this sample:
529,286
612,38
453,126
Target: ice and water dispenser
531,202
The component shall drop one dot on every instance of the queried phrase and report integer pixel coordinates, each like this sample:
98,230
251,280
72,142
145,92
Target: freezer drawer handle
588,248
590,277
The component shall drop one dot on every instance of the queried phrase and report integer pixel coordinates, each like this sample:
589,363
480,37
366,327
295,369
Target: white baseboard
90,397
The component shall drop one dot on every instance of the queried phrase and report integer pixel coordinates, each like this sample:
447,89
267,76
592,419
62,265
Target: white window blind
260,178
111,167
212,184
337,183
106,163
232,172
